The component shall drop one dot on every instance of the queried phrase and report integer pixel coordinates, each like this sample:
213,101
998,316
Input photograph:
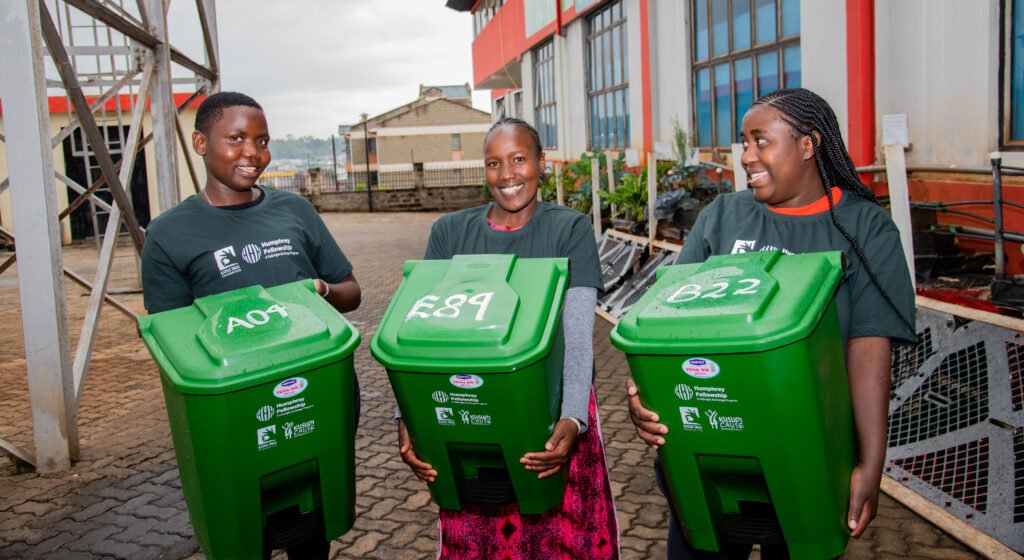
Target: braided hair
807,113
519,123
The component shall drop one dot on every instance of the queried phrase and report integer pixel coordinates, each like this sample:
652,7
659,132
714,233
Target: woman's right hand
423,471
645,421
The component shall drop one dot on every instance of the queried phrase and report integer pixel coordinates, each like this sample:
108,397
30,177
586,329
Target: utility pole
366,150
334,158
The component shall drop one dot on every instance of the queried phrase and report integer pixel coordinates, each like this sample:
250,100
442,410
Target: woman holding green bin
234,234
805,196
584,525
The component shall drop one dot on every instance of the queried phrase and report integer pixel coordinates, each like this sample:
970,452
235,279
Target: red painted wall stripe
860,79
60,104
645,77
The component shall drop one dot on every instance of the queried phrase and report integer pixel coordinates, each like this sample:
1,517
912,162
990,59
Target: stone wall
402,200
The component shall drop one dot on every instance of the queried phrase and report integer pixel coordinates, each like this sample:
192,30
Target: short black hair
211,109
512,121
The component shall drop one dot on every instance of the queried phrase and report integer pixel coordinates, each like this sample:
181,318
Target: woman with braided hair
804,197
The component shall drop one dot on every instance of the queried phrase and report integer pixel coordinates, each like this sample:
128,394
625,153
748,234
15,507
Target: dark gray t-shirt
553,231
737,223
196,250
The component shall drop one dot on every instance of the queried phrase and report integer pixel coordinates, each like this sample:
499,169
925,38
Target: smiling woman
238,145
583,525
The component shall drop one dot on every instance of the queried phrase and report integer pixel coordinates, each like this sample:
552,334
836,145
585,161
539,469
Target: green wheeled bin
742,359
260,389
473,349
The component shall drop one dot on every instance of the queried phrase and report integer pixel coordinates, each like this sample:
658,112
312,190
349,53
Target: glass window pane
620,117
701,17
606,52
765,16
616,58
740,25
1017,65
791,66
790,17
767,73
593,122
626,118
704,107
723,107
625,53
720,26
743,72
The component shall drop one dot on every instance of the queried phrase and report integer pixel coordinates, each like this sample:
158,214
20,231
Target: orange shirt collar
816,207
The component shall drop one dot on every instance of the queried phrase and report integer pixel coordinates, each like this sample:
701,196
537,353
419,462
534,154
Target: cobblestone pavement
122,499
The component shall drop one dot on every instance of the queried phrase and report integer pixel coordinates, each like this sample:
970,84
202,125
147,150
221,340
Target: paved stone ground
122,499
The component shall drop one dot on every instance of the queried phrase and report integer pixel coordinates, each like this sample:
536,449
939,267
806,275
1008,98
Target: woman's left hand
556,452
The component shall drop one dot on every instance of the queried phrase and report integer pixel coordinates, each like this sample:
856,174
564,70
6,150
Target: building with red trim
617,74
73,161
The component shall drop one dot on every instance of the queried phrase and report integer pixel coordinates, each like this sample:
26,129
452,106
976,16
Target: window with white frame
608,77
544,104
742,49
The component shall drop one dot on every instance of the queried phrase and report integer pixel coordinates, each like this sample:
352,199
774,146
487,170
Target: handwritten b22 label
700,368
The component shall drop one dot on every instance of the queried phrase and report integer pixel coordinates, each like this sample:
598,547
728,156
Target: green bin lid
473,314
746,302
247,337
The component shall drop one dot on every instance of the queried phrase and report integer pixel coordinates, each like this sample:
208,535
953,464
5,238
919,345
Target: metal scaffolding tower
98,50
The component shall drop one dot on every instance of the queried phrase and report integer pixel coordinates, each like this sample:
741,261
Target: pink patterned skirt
582,527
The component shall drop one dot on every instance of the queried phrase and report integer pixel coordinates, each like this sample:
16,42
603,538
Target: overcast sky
315,64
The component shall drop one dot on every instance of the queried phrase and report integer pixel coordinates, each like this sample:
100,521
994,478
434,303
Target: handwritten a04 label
701,368
290,387
466,381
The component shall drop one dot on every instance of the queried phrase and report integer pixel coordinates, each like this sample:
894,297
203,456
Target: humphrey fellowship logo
227,261
684,392
712,418
265,413
251,253
691,418
266,437
444,416
439,396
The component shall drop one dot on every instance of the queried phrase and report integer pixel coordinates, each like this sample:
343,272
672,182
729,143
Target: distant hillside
304,147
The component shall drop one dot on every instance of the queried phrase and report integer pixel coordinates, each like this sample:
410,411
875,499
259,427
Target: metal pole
334,158
40,284
739,178
366,151
652,200
899,202
997,213
611,178
163,112
559,189
595,198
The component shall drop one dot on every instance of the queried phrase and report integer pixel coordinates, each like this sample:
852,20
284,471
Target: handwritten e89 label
425,306
690,292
